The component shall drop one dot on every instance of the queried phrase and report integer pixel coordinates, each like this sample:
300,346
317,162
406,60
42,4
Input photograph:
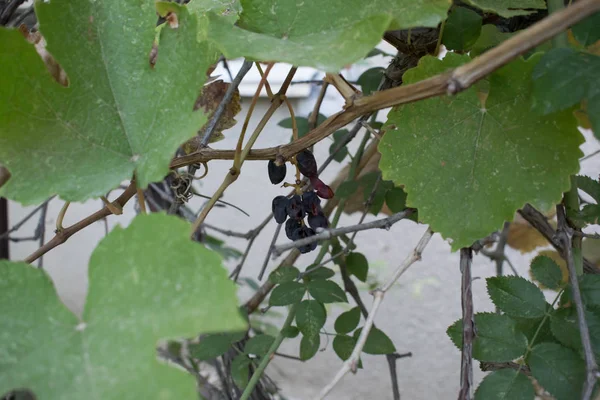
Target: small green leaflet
326,291
287,293
310,317
343,346
508,8
304,33
377,342
590,213
516,296
563,78
462,29
284,274
138,295
498,338
301,124
347,321
566,329
213,345
358,265
240,370
505,384
467,166
559,370
117,115
259,345
547,272
309,345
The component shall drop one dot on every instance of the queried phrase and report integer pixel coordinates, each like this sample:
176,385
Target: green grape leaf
343,346
377,342
346,189
516,296
467,166
259,345
284,274
370,79
287,293
138,294
508,8
240,370
395,199
304,33
587,32
566,329
498,338
212,345
117,115
301,124
546,272
564,77
326,291
309,345
228,9
489,37
310,317
290,332
347,321
505,384
462,29
358,265
558,370
319,273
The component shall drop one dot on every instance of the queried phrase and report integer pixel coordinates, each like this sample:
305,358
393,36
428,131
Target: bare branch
384,223
468,333
565,236
210,127
351,363
540,223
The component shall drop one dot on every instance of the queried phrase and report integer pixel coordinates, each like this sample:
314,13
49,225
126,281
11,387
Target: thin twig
351,363
253,235
141,200
313,118
565,235
227,232
40,231
384,223
348,92
468,331
61,216
451,82
268,256
66,233
210,127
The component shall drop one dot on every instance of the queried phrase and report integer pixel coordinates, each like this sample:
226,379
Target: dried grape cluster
294,209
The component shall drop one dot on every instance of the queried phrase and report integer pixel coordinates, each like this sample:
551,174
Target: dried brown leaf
524,237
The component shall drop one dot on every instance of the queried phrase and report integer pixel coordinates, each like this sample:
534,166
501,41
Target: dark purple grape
276,172
311,203
323,191
291,228
302,233
307,164
294,208
318,221
279,207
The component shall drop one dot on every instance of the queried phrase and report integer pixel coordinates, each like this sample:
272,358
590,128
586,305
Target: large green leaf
559,370
516,296
508,8
138,294
117,115
323,34
505,384
564,77
497,339
468,164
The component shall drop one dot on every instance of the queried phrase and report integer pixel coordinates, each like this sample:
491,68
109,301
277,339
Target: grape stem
448,83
